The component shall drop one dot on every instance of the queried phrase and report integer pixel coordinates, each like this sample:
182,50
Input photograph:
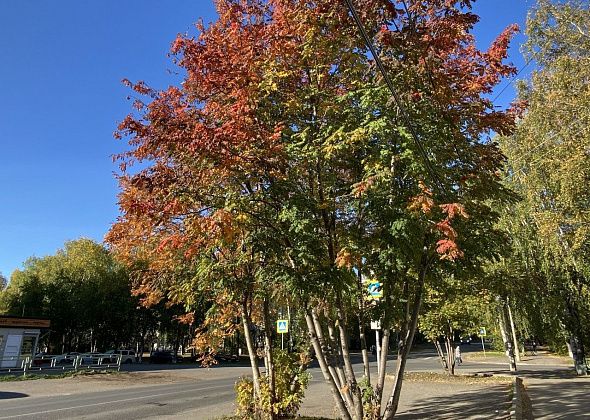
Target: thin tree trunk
270,370
441,355
383,363
406,345
505,338
450,355
351,378
336,353
364,352
515,341
327,353
328,376
361,320
384,346
251,349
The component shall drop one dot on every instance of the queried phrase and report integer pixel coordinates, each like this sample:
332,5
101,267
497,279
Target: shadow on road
493,403
562,400
543,373
11,395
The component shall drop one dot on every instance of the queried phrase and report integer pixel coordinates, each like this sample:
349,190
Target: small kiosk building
19,338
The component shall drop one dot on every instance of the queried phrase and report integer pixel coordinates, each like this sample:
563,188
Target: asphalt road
205,397
126,403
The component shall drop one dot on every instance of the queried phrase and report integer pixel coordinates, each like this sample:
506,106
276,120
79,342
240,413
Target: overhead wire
528,61
398,101
539,158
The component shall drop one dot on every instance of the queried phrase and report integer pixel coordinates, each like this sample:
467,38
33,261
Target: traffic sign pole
482,334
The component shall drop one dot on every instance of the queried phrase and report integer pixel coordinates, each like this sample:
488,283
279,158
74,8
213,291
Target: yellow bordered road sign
283,326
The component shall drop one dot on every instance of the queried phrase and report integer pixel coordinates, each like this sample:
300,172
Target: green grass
480,354
70,374
444,378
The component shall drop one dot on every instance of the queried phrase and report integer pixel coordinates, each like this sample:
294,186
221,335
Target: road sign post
282,328
482,334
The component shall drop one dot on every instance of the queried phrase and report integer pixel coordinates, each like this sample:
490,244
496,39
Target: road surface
201,393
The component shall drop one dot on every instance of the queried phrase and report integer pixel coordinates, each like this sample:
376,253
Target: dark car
226,357
43,359
66,358
164,356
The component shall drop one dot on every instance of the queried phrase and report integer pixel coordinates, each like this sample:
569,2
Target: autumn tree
548,166
280,171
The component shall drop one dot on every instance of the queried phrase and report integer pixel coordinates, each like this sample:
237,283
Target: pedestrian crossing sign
283,326
374,290
482,332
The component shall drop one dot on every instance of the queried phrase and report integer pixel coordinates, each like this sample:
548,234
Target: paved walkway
554,389
560,398
422,400
556,392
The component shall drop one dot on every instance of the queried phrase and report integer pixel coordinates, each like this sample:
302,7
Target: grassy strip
283,418
464,379
480,354
69,374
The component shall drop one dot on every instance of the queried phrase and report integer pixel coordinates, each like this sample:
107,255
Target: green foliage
86,295
547,273
290,384
371,406
452,311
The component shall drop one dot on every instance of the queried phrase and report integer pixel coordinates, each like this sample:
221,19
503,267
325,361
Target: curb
520,408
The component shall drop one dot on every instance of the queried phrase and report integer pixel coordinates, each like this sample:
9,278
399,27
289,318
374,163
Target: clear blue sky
61,63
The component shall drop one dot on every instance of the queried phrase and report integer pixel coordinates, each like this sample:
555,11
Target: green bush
290,385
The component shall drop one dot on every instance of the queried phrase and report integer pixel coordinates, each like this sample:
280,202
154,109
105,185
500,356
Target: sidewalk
560,398
540,359
424,399
555,391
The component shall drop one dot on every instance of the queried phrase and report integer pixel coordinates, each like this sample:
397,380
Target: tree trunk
251,349
383,362
351,378
406,344
506,339
270,370
450,355
361,321
336,371
328,375
441,355
364,352
514,340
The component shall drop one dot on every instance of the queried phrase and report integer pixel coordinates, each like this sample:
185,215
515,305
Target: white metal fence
60,363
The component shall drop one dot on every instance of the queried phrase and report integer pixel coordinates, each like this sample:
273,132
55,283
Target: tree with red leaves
281,173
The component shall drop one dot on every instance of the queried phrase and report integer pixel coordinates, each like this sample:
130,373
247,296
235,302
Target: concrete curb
521,408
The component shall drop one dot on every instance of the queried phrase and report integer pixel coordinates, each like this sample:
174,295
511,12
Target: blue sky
61,99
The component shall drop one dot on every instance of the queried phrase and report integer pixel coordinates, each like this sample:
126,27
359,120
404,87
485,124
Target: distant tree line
87,296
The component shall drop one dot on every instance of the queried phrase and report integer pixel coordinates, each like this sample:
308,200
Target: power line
512,79
396,97
539,158
522,155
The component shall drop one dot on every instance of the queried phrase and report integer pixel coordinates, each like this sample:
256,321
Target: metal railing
56,363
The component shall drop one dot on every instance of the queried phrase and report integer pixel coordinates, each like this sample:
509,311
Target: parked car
42,359
90,358
66,358
164,356
127,356
226,357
